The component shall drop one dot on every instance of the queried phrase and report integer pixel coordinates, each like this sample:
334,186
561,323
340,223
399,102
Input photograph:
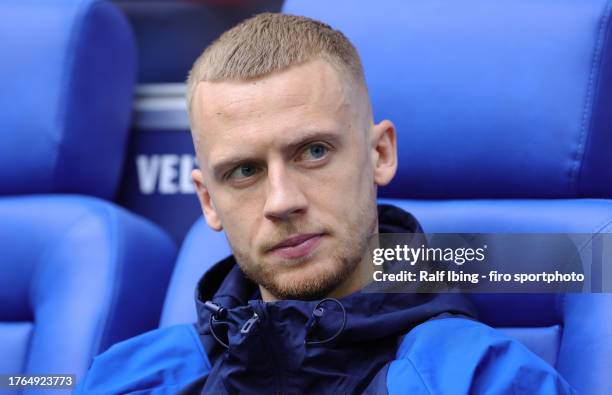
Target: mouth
297,246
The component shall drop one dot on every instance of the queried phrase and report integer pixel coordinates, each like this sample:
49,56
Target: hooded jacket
373,343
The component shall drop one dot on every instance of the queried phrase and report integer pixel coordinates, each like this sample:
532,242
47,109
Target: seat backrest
67,75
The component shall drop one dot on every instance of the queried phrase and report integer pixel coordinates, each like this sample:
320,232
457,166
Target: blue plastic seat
77,273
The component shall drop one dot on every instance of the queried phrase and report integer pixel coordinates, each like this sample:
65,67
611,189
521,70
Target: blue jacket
363,343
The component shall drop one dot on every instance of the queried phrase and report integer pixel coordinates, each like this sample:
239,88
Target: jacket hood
309,341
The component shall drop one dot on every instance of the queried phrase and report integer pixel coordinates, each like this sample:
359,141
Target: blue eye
243,171
316,151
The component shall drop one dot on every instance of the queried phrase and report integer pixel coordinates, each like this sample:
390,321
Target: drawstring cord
317,313
217,314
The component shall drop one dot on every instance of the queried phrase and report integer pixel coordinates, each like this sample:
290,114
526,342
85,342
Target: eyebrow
307,137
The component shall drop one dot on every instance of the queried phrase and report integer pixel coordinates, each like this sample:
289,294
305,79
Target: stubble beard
341,264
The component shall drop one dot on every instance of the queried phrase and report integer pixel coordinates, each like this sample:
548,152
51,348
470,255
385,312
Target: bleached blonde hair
268,43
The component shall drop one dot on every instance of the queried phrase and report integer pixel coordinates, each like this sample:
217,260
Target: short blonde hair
268,43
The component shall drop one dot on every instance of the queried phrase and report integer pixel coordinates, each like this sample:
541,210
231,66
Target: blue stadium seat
77,273
504,125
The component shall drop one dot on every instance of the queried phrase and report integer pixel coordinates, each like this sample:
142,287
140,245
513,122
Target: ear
384,152
208,207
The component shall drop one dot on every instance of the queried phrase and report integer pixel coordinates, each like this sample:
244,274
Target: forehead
316,81
227,115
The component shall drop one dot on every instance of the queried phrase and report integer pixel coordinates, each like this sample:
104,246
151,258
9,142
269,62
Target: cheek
239,215
346,189
356,177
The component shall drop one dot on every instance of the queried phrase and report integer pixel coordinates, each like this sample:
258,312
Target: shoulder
464,356
164,360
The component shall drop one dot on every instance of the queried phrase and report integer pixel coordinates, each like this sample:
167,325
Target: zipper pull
246,328
314,318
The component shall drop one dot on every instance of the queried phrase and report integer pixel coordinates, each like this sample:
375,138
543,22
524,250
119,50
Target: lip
297,246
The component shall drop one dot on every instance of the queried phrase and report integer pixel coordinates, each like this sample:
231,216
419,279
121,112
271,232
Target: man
290,161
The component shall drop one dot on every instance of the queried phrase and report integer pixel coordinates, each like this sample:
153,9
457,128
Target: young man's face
289,167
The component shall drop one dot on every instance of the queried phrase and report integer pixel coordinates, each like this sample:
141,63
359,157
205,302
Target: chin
307,282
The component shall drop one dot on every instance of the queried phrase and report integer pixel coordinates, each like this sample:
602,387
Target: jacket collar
227,286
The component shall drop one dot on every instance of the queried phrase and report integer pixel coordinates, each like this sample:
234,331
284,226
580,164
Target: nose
285,198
